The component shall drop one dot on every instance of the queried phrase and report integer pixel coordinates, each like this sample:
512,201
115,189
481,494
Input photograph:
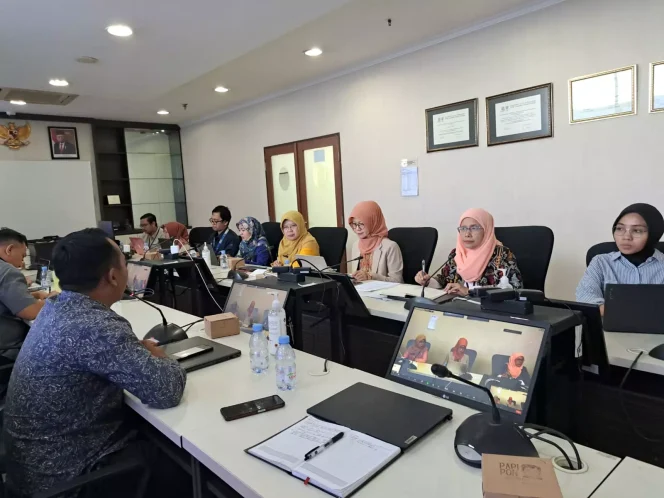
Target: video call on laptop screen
499,355
138,277
251,303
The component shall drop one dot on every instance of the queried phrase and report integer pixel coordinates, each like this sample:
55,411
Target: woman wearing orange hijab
381,257
516,370
478,260
457,360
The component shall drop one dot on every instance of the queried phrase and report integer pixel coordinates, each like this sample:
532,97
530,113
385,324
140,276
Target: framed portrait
609,94
520,115
64,142
657,86
452,126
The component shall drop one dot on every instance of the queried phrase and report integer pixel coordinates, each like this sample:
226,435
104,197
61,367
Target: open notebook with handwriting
341,469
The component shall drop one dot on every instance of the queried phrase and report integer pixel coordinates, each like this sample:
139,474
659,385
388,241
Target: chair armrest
91,477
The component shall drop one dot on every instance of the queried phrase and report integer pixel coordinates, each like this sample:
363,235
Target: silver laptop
317,262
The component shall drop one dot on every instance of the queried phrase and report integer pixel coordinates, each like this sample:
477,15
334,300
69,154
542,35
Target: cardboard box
506,476
153,256
221,325
235,263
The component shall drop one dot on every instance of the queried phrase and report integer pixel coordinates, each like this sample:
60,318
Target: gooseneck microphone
165,332
486,433
421,300
359,258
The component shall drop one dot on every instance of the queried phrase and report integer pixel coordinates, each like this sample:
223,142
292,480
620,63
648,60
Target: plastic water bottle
146,246
504,282
286,262
206,255
258,354
223,263
285,366
274,324
45,280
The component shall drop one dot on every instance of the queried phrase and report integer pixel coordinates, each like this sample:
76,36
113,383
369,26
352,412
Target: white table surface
633,479
619,344
220,445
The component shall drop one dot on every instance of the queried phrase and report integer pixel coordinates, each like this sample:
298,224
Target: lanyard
217,247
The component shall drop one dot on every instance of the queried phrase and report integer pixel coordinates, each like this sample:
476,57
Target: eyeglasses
472,228
637,233
243,229
357,226
214,222
290,227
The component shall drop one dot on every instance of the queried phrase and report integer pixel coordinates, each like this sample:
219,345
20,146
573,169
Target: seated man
64,413
151,231
16,302
223,238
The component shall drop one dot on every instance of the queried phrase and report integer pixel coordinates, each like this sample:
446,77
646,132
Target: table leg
171,275
196,478
162,287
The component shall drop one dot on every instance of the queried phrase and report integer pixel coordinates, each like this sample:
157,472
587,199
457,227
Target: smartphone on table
254,407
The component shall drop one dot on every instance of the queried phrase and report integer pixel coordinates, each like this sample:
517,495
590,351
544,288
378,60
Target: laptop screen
251,303
138,277
501,356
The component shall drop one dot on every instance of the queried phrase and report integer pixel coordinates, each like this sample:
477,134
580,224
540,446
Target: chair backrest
199,235
532,246
412,341
472,355
416,244
273,234
607,247
332,243
499,364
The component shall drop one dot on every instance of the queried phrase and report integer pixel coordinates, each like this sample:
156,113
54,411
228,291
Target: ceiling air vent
36,96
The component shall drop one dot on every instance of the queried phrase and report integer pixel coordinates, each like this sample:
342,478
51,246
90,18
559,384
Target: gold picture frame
598,96
656,101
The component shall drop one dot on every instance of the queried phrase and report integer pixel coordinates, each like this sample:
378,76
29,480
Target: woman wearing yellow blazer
297,239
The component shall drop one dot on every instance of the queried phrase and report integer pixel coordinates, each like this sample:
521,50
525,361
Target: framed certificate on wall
520,115
657,87
609,94
452,126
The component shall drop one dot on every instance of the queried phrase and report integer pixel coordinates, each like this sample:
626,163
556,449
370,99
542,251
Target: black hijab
655,222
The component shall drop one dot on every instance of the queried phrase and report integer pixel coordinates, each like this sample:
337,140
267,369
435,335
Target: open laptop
139,275
634,308
107,227
485,361
251,303
314,262
217,353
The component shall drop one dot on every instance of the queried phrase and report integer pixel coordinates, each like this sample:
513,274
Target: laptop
314,262
490,344
353,305
251,303
391,417
139,275
107,227
218,354
137,244
214,260
634,308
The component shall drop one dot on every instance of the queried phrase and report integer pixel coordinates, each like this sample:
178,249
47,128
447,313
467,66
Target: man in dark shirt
223,238
65,407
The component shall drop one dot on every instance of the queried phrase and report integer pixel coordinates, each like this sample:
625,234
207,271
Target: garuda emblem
14,136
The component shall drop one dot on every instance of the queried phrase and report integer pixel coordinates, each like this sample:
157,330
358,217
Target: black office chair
532,246
607,247
273,234
332,243
416,244
199,235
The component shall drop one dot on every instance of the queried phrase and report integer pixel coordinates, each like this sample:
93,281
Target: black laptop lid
218,354
391,417
634,308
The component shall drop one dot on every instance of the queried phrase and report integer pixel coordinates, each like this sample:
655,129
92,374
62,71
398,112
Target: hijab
177,231
374,222
471,263
655,222
288,249
513,370
415,350
248,247
458,355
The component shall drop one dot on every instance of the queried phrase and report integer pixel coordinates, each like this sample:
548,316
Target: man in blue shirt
223,239
65,412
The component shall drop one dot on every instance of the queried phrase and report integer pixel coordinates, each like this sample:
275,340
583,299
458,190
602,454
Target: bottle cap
223,252
257,327
284,339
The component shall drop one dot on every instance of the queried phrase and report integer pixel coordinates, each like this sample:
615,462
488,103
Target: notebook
341,469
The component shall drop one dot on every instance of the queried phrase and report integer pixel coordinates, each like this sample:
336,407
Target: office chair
607,247
273,234
499,364
416,244
472,356
532,246
332,243
199,235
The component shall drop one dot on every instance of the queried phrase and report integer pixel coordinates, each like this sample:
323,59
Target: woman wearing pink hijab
381,257
478,260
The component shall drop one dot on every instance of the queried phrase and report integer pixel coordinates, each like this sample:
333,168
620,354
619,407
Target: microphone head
439,370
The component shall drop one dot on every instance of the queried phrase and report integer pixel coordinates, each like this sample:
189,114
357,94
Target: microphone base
165,334
418,301
479,434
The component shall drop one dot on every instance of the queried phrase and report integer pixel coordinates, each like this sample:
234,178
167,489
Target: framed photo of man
64,142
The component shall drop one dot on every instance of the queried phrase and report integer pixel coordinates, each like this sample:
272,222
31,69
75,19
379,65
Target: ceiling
180,52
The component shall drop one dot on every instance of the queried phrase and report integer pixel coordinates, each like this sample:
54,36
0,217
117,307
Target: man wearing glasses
223,239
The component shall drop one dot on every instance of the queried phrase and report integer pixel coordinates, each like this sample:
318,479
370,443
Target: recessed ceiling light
221,89
163,112
86,59
57,82
119,30
17,102
163,131
313,52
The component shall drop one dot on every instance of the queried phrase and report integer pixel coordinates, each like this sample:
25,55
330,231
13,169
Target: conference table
197,426
632,478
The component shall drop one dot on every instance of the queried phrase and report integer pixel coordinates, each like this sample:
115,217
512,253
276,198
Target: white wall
40,150
575,182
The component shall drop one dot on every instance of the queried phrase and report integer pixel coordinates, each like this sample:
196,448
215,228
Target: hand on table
361,275
153,348
456,289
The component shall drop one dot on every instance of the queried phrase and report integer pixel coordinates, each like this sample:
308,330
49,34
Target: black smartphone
252,408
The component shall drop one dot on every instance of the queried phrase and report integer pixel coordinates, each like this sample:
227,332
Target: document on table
373,286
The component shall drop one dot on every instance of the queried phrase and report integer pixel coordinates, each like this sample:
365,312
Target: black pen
318,450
